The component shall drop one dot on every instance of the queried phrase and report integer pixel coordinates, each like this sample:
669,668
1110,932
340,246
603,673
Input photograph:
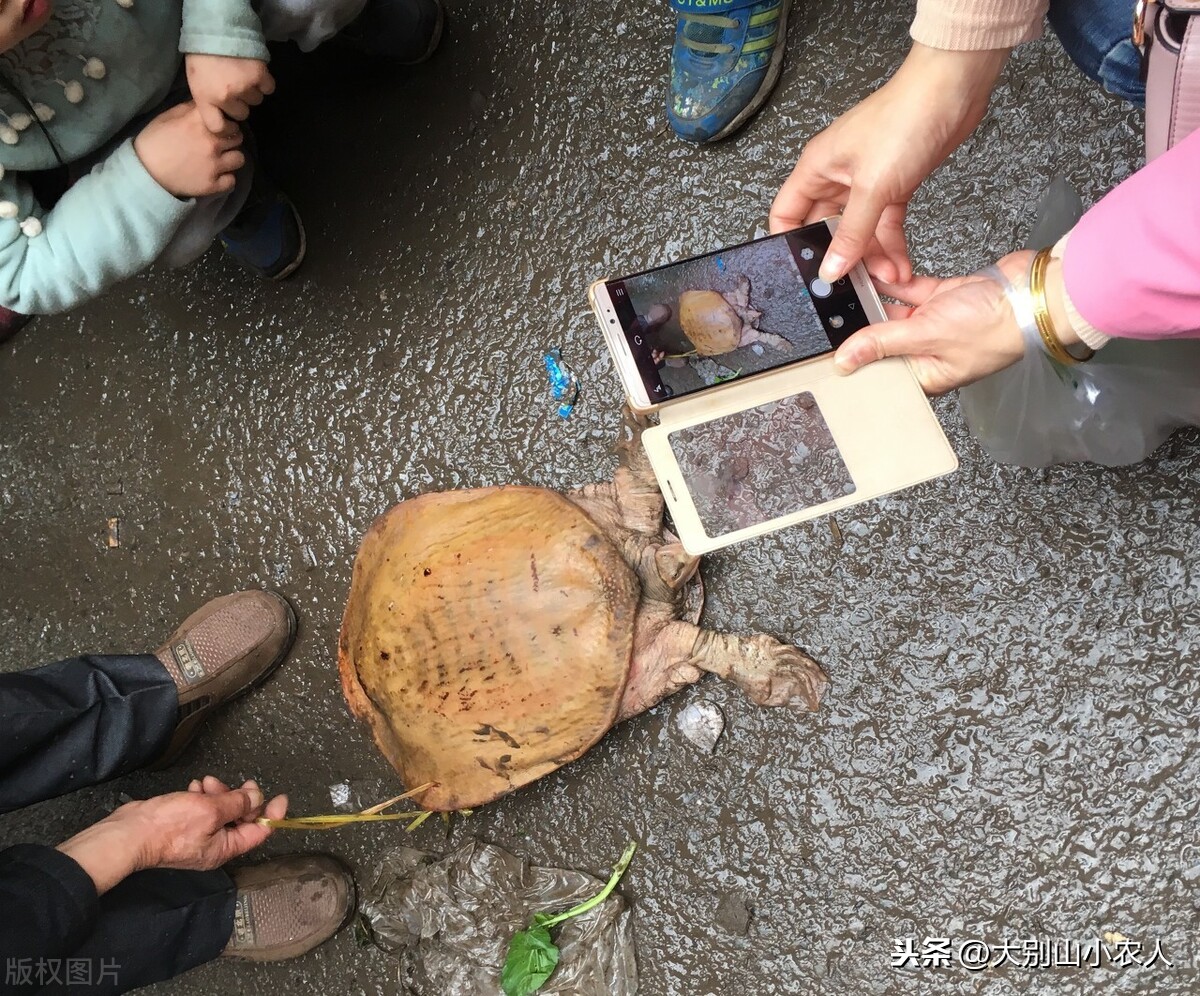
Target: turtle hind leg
771,673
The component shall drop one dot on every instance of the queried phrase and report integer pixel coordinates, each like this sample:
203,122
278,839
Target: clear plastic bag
1115,409
448,921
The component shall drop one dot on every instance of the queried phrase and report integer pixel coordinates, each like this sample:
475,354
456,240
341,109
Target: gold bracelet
1041,313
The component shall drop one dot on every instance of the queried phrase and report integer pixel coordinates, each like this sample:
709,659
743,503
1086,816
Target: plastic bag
448,921
1115,409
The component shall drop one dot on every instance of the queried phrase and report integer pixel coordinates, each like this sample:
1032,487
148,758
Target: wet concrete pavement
1008,747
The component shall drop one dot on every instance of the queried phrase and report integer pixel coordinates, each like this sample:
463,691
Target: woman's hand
867,164
200,829
954,331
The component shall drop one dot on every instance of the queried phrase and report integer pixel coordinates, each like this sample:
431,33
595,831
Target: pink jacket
1132,264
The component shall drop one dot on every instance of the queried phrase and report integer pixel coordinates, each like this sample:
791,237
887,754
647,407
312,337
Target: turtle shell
487,639
709,321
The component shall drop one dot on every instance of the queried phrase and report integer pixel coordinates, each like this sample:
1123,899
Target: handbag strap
1172,59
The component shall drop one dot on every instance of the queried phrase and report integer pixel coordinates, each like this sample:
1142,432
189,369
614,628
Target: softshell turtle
718,323
493,635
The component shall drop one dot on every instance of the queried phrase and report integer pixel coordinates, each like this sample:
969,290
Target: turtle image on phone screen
729,314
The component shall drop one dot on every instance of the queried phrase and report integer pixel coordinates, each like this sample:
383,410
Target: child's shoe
11,322
405,31
725,63
267,235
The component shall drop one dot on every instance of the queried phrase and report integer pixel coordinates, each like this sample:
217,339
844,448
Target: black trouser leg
153,926
80,722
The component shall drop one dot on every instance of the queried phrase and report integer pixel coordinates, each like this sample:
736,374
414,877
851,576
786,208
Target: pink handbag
1168,34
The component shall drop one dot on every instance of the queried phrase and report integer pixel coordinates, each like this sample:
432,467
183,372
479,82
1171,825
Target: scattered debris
712,372
733,915
364,936
564,385
702,723
344,798
835,532
114,533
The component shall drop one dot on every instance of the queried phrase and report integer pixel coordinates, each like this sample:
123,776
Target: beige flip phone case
747,457
881,425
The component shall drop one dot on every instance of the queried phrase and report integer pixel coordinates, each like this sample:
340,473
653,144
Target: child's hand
186,158
223,86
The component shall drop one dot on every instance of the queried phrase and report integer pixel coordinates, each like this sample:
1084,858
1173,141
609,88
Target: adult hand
200,829
954,331
185,157
867,164
224,86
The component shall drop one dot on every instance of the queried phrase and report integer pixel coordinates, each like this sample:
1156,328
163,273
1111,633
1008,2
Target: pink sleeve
1132,264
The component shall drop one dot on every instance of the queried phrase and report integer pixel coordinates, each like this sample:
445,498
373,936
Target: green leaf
532,955
532,958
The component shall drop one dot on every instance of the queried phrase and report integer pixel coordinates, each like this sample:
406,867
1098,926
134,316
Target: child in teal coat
142,102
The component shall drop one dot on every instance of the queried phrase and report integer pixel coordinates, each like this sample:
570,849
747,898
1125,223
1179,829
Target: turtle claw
781,676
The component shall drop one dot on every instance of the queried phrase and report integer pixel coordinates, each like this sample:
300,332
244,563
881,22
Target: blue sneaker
725,63
267,236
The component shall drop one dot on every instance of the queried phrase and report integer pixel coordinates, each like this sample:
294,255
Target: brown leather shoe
221,651
288,906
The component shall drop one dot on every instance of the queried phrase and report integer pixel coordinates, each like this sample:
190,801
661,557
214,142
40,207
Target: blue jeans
1096,35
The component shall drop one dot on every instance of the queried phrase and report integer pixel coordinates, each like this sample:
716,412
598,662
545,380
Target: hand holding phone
700,323
757,429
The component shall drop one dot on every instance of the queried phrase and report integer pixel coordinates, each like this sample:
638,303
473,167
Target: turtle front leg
670,655
638,496
769,338
771,673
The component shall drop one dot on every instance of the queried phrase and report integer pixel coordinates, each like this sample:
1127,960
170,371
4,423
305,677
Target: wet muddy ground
1008,748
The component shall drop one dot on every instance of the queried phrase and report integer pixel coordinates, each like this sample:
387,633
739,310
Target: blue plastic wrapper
564,384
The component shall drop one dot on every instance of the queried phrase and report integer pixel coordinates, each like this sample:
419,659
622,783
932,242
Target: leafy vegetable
533,955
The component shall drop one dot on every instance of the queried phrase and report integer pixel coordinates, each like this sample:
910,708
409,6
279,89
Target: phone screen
733,313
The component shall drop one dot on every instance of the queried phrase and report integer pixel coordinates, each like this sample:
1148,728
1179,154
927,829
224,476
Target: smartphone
703,323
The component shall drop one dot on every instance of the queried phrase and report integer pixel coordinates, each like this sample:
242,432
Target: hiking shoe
288,906
267,235
404,31
221,651
725,63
